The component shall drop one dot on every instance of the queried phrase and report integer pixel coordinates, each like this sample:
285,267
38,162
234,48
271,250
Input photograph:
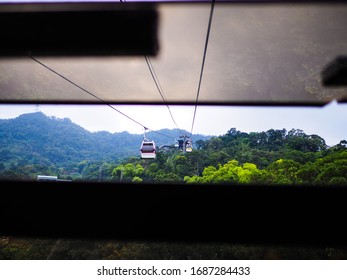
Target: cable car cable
156,81
92,94
203,63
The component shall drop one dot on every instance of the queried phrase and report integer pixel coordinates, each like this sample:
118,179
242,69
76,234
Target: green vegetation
34,144
271,157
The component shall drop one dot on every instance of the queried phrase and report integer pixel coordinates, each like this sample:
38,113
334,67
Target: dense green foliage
34,144
271,157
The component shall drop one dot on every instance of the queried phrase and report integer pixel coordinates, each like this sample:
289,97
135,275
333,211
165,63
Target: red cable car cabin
148,150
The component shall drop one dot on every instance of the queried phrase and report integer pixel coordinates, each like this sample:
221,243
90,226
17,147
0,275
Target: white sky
329,122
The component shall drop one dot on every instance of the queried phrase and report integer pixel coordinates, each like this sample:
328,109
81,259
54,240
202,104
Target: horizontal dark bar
78,29
252,214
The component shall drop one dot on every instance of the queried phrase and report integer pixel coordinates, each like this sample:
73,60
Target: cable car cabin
148,149
176,143
189,146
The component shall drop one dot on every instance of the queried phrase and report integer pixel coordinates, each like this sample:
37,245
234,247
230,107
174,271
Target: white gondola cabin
189,146
148,149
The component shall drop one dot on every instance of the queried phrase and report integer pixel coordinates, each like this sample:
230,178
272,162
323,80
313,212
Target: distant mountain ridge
39,139
34,144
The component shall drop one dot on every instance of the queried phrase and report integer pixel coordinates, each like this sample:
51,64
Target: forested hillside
271,157
34,144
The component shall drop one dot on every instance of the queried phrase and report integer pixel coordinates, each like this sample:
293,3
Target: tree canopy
34,144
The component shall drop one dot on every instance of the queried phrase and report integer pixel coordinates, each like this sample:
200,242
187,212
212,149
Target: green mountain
34,144
47,142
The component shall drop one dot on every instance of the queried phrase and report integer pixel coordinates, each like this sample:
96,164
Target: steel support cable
156,81
203,63
92,94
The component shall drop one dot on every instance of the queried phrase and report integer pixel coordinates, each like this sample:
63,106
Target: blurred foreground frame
236,214
253,214
335,73
78,29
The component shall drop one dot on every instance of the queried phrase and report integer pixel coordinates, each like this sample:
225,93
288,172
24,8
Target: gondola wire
157,83
94,95
203,63
155,79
